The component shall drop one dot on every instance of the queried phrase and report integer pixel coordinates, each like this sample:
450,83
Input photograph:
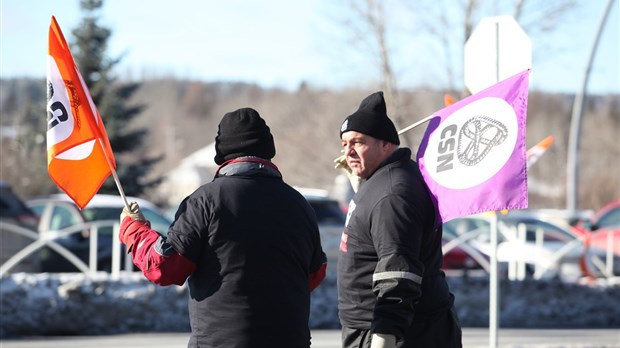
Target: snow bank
72,304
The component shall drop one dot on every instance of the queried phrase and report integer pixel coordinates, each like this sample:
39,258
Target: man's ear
386,145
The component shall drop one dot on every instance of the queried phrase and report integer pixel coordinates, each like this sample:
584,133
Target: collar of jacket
398,155
248,166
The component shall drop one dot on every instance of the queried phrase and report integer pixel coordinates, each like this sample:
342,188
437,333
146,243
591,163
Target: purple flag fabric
472,155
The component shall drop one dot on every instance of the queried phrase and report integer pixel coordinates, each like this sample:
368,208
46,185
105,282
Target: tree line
181,117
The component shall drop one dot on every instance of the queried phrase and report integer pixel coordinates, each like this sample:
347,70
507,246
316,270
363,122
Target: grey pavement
472,338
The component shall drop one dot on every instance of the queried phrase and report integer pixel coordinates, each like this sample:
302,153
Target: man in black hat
391,289
247,243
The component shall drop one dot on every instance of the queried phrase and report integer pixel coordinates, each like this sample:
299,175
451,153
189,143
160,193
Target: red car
605,227
604,235
607,217
457,258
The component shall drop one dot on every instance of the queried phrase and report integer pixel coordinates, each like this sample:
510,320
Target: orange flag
79,156
448,100
533,154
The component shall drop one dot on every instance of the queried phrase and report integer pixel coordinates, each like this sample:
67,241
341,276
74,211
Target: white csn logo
473,144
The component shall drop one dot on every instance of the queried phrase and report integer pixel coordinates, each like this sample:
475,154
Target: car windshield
11,205
536,229
158,222
610,219
476,229
96,214
328,212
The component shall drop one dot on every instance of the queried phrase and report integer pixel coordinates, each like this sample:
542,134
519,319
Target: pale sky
281,43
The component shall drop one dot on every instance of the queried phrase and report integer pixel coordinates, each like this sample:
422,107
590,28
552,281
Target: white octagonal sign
496,50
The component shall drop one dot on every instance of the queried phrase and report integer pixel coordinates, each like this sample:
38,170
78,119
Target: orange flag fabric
448,100
533,154
79,156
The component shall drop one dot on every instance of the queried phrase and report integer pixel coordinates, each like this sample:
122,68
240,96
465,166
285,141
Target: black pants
438,331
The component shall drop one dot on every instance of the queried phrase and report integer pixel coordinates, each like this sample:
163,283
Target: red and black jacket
250,245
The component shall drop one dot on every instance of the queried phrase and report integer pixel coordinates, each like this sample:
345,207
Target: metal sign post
497,49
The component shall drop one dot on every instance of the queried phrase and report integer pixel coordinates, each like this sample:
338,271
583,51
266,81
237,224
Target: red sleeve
156,258
317,276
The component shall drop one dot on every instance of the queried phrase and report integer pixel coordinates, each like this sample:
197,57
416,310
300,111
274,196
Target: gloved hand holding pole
133,212
128,232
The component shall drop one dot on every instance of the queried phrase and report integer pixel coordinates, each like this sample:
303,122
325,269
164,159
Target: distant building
193,171
199,168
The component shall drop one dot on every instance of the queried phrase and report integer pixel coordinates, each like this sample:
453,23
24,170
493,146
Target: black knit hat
371,119
243,133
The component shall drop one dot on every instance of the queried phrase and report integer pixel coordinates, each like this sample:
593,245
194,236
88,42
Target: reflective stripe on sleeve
390,275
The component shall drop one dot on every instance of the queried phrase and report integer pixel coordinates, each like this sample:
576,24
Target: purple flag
472,155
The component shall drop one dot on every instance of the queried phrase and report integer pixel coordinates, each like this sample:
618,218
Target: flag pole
408,128
447,102
120,188
116,180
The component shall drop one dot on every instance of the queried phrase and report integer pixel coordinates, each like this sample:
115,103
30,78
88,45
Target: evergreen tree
111,98
23,153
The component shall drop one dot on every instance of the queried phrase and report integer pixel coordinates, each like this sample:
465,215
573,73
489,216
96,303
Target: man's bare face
364,153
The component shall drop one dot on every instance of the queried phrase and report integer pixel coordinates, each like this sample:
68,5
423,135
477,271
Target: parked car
58,214
604,237
473,230
461,257
467,235
15,212
607,217
330,218
536,243
550,248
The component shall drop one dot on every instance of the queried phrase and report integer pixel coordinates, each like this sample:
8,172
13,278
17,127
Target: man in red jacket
247,243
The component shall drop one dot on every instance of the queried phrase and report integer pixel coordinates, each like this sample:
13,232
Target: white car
530,242
58,215
330,218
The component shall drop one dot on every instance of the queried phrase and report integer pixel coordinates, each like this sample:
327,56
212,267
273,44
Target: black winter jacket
255,242
389,268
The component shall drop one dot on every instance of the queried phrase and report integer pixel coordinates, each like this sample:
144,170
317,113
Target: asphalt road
472,338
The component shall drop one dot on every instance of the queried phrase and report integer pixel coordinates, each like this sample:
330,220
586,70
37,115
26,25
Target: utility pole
572,169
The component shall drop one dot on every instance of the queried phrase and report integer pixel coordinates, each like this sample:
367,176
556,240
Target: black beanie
371,119
243,133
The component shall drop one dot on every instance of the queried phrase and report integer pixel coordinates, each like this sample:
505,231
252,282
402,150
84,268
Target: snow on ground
72,304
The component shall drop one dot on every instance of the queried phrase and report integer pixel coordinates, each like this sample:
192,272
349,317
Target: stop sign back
496,50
